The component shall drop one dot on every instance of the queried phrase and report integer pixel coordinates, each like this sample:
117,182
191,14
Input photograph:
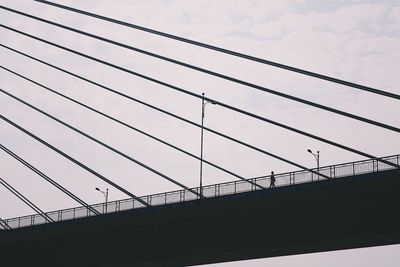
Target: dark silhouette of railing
215,190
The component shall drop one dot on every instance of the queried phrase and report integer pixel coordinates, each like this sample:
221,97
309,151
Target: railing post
32,220
354,170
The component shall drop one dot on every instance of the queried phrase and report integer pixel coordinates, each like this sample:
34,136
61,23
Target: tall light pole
203,106
105,193
316,156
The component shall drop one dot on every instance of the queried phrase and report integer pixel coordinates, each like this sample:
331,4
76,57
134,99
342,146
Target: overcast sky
355,40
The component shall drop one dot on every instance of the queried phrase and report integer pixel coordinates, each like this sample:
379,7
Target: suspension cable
48,179
219,75
227,51
132,127
208,99
26,201
4,224
101,143
58,151
172,114
163,111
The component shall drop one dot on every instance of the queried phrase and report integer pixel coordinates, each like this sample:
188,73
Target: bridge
330,207
353,208
210,191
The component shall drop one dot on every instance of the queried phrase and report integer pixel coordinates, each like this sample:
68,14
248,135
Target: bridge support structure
336,214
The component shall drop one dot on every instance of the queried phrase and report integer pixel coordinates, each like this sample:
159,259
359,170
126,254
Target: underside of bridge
345,213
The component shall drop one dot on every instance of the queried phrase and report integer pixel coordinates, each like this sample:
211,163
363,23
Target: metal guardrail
215,190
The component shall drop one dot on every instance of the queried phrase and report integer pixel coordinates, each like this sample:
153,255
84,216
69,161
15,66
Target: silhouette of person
272,177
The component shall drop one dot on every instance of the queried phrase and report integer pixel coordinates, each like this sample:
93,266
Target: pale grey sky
353,40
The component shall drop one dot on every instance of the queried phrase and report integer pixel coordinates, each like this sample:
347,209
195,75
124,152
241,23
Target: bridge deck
216,190
327,215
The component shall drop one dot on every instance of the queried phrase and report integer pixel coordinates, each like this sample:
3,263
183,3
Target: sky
355,40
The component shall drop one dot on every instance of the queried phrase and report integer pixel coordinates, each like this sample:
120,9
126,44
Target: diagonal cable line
26,201
163,111
227,51
48,179
131,127
4,224
174,115
178,88
216,74
102,143
209,99
74,161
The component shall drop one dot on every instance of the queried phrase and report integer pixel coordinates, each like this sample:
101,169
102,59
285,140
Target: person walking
272,177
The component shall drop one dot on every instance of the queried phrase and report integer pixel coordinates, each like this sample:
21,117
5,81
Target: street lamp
203,106
105,195
316,156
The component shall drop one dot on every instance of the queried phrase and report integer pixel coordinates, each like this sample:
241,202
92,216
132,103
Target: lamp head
97,189
309,151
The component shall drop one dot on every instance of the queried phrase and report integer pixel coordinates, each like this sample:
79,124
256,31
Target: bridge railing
215,190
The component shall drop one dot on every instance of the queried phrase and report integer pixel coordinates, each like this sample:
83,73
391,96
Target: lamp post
105,195
203,106
316,156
